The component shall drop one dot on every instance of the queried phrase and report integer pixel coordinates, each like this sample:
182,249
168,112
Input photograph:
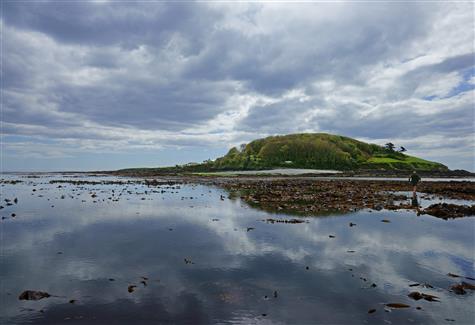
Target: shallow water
279,171
71,247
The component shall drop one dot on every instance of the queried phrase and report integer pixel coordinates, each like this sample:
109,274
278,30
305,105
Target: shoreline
305,195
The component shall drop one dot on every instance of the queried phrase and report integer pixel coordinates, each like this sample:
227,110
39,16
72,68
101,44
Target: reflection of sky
233,268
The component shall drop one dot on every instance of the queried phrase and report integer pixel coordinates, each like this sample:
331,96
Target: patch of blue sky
467,84
25,138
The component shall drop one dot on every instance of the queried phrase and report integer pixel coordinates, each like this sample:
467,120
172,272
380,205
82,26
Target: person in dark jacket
414,179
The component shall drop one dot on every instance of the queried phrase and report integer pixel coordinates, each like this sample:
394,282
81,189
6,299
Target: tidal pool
198,257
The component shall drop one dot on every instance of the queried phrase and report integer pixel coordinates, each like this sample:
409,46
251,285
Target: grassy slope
307,150
318,150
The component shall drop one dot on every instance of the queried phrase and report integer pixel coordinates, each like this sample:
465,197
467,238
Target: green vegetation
318,151
308,150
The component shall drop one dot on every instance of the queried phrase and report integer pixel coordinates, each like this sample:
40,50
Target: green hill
316,151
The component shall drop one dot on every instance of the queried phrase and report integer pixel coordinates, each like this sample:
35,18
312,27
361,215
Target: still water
198,257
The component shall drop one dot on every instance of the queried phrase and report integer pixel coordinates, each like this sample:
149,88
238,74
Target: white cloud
137,77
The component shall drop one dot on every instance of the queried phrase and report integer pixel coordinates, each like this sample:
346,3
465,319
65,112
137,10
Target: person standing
414,179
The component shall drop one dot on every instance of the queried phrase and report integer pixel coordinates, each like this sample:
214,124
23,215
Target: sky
105,85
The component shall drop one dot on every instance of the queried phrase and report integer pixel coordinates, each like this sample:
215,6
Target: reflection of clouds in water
110,240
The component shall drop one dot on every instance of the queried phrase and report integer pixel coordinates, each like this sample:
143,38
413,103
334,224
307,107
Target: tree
402,149
390,146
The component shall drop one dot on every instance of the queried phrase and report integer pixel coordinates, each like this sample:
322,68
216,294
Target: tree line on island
309,151
315,151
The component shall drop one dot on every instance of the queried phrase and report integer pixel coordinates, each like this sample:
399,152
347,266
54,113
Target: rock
371,311
468,286
33,295
459,288
419,295
453,275
397,305
446,211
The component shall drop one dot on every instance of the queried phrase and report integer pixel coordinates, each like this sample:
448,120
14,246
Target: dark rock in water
419,295
331,236
446,211
352,224
459,288
111,279
468,286
415,295
33,295
397,305
386,220
371,311
293,221
275,294
374,285
72,301
131,288
15,200
414,284
250,228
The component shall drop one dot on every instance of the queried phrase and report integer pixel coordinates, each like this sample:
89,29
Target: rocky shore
310,197
317,196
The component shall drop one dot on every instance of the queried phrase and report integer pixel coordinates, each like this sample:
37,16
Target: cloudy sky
105,85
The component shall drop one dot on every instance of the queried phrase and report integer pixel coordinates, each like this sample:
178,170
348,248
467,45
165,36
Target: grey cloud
282,117
172,67
176,105
88,23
